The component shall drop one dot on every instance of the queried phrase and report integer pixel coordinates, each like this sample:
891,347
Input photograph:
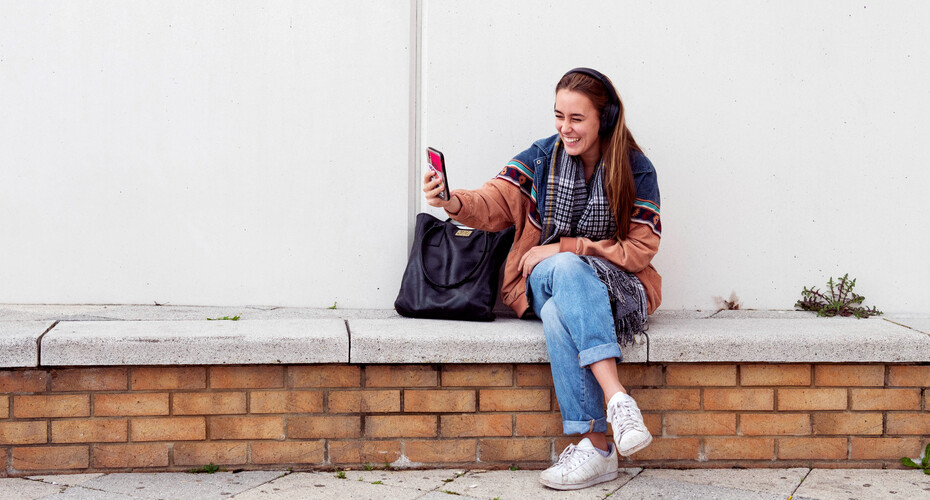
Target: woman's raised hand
432,186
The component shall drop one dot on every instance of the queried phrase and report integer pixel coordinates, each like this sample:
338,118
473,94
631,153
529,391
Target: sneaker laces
572,456
627,412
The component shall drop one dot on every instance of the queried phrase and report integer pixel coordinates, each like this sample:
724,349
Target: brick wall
496,415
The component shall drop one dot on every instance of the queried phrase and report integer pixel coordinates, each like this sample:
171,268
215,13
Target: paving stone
97,343
921,324
748,480
177,485
18,342
67,479
325,486
525,484
78,312
26,489
864,483
82,493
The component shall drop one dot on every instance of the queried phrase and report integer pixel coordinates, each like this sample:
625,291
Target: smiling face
578,121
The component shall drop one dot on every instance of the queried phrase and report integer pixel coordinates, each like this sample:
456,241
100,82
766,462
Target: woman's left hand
536,255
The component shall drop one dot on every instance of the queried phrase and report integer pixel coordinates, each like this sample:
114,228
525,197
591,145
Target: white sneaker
630,433
580,466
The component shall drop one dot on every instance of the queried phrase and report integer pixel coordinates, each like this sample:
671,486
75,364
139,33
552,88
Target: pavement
446,484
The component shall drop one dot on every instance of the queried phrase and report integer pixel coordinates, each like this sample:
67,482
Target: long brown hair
616,147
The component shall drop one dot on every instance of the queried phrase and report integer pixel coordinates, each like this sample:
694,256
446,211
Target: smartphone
437,163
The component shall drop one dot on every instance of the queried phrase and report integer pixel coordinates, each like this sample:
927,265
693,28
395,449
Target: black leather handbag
452,272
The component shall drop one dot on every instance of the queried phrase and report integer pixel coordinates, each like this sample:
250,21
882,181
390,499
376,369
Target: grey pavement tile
175,485
652,487
921,324
82,493
843,484
151,312
759,480
505,484
424,480
18,342
26,489
67,479
325,485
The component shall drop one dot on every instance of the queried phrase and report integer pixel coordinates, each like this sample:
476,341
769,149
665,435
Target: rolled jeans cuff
599,352
570,427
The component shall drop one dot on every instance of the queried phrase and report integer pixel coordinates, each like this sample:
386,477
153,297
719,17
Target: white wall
788,136
204,152
245,152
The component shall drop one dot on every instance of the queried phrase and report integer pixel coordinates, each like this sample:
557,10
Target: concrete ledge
405,340
173,335
19,345
103,343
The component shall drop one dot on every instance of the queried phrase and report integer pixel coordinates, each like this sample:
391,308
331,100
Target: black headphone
611,112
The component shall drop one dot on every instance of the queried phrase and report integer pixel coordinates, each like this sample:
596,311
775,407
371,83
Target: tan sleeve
492,207
632,254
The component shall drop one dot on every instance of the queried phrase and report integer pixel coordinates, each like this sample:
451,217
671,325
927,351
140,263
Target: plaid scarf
575,208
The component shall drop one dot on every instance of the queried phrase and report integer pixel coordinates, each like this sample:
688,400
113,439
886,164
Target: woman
585,204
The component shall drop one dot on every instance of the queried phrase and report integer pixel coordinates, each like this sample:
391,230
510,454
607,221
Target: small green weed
924,461
376,482
368,466
514,467
332,306
224,318
341,474
448,480
206,469
839,300
450,492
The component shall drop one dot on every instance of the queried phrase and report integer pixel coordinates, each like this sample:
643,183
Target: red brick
246,428
429,401
246,377
90,431
146,378
811,399
535,375
219,453
168,429
90,379
909,376
892,448
514,399
388,426
325,376
4,406
286,401
50,458
777,374
700,375
17,381
811,448
324,427
484,375
28,432
208,403
848,423
669,448
45,406
288,452
702,424
849,375
539,424
441,451
653,423
909,423
740,448
476,425
514,450
401,376
639,375
121,456
373,401
775,424
130,404
739,399
357,452
667,399
885,399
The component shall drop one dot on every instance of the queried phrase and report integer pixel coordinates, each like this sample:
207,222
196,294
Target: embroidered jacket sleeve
634,253
503,201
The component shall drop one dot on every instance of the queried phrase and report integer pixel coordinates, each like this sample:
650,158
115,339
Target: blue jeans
575,310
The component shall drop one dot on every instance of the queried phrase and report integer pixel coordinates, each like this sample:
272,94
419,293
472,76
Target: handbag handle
484,256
